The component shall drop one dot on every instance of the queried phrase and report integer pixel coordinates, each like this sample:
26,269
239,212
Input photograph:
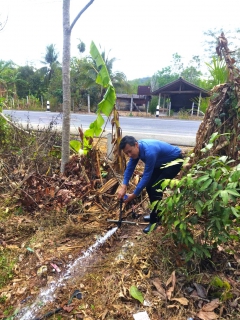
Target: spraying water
47,294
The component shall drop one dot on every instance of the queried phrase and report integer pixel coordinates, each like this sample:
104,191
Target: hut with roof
179,94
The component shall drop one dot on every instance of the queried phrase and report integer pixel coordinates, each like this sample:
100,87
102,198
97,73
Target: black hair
127,140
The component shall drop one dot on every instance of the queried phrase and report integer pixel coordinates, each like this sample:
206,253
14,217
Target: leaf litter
130,273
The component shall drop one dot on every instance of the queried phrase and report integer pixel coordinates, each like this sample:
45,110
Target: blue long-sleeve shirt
154,154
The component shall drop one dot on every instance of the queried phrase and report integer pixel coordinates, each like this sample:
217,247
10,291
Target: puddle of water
46,295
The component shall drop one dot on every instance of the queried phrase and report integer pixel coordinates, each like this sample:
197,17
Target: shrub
203,210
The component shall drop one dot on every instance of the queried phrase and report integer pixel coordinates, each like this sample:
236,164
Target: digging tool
120,221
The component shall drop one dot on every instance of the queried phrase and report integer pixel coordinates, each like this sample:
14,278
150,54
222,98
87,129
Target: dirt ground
66,268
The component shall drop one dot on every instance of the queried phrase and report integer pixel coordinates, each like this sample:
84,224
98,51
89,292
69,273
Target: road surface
174,131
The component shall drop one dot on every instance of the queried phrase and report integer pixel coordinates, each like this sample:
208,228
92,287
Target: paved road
177,132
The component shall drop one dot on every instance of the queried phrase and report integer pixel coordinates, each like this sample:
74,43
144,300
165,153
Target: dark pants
153,185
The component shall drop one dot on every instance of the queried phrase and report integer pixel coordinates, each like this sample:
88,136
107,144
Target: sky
141,35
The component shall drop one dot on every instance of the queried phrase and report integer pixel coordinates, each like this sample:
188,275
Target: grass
7,262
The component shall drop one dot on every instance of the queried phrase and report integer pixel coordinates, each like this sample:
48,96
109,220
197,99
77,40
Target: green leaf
182,226
96,55
226,285
108,102
224,196
218,174
165,183
170,203
190,239
209,146
214,186
212,173
136,294
223,159
198,206
152,227
75,145
89,133
218,224
235,212
99,121
103,77
201,179
176,223
233,192
217,282
206,184
206,252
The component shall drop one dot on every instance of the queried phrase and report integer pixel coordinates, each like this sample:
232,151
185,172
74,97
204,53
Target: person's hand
130,197
121,191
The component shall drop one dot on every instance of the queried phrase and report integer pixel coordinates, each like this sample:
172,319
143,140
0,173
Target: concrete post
48,106
157,111
88,100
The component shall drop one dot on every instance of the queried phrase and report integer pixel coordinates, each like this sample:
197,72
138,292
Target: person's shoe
148,228
146,218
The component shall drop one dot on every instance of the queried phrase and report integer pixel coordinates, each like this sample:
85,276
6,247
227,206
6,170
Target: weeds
7,261
183,114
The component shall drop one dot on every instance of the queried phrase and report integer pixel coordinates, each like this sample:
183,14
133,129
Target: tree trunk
66,84
66,78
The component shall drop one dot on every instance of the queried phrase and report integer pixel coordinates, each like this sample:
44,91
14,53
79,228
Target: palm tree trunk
66,84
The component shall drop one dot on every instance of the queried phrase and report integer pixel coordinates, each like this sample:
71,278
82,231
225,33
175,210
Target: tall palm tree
50,61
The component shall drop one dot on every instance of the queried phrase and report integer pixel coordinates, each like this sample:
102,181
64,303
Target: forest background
26,87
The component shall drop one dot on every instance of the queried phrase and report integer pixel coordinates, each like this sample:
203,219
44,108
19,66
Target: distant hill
141,81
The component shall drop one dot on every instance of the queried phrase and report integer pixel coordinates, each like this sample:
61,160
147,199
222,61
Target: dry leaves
165,291
206,313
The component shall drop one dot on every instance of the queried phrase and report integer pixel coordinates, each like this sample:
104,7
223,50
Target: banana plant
104,107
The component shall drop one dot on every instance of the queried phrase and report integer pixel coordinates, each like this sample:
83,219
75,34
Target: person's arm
148,170
129,170
147,173
126,177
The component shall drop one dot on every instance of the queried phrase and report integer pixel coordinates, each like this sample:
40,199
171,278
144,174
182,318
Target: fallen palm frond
222,114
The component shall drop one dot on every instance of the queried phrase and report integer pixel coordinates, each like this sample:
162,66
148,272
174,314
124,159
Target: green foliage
30,82
153,104
203,211
218,72
83,83
78,147
183,114
170,114
204,103
81,46
4,126
133,84
192,75
163,77
136,294
6,267
104,107
223,288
